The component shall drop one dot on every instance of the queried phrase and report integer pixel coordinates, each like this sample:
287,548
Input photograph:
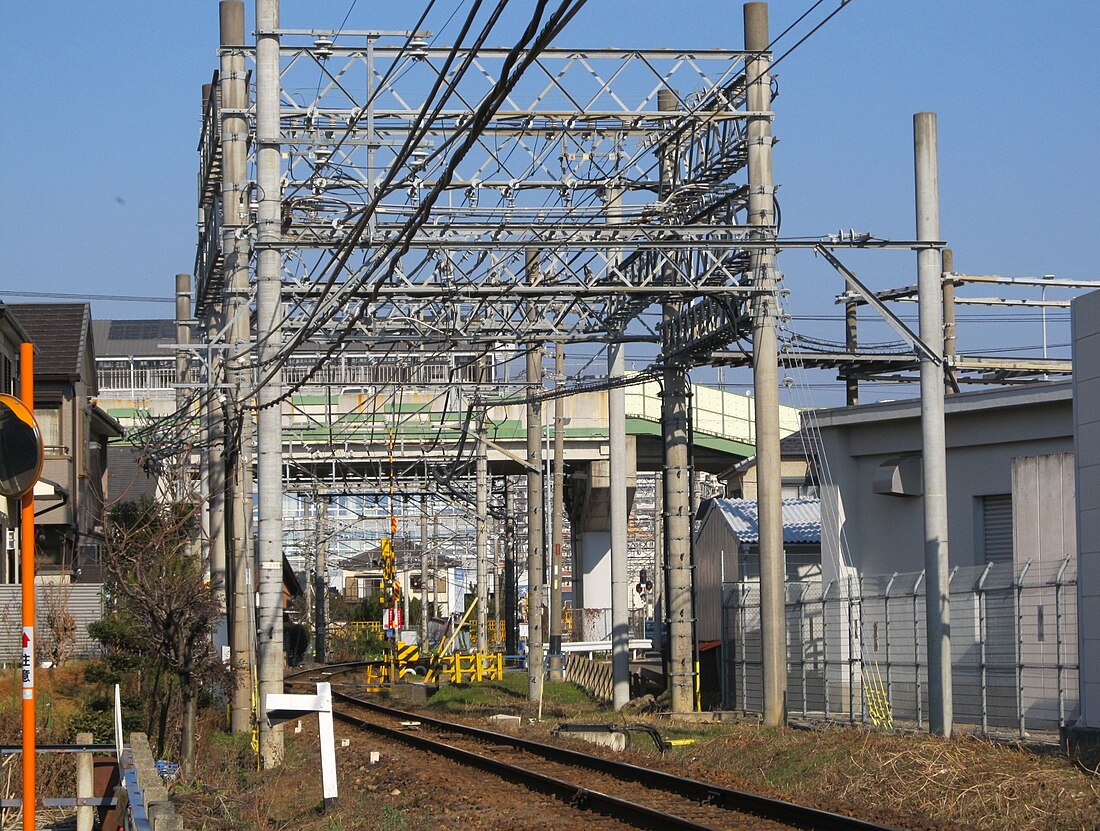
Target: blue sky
101,114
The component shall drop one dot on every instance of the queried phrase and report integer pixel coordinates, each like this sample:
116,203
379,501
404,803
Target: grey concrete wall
881,534
1086,396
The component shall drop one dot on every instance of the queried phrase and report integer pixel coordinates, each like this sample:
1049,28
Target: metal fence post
851,657
1020,647
742,594
916,650
1058,623
981,647
886,627
825,647
802,641
860,641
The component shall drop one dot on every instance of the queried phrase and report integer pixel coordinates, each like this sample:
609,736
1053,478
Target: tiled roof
801,519
797,445
59,332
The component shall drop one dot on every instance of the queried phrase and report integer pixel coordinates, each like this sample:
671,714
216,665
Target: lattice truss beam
519,244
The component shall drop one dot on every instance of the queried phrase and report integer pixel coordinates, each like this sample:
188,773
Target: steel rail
799,816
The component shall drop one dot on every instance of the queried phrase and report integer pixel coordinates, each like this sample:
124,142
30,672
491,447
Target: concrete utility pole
511,620
183,358
424,578
320,581
213,465
677,475
269,466
851,343
535,518
934,453
618,505
481,528
557,535
236,243
765,363
950,332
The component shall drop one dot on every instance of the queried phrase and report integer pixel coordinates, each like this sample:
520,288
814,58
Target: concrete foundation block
1082,745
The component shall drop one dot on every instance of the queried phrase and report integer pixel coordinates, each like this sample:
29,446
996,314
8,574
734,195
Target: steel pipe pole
424,578
765,362
934,452
269,450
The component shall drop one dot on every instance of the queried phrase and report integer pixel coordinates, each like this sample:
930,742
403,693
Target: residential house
69,498
798,465
12,335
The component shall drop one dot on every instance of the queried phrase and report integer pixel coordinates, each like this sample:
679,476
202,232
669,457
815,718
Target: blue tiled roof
801,519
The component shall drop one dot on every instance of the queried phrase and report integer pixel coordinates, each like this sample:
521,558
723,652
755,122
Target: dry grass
966,781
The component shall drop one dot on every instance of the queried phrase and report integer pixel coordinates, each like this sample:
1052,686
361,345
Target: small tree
158,587
61,633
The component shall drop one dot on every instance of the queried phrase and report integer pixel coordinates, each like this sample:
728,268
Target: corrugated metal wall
715,543
84,601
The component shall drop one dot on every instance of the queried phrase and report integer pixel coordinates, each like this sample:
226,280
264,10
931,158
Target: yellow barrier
468,669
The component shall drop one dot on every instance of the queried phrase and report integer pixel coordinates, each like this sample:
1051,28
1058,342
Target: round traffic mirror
21,451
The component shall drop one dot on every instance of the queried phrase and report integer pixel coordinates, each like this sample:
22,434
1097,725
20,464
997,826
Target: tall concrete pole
677,476
765,361
269,467
950,333
535,511
183,359
851,343
424,577
320,581
618,505
511,621
481,528
213,463
557,535
934,452
236,244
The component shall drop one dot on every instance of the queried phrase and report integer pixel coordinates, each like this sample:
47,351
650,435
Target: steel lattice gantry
517,244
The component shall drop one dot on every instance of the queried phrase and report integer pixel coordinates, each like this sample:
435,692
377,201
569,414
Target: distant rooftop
801,519
123,338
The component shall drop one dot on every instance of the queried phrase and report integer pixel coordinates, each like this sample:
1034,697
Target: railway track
635,796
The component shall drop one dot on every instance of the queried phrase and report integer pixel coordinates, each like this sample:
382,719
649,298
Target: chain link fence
1013,647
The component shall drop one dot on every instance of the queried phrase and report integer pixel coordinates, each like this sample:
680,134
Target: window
49,423
996,525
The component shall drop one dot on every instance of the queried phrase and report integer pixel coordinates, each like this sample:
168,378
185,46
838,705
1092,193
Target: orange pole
26,548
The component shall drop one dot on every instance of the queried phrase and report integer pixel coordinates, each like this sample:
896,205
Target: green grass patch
510,694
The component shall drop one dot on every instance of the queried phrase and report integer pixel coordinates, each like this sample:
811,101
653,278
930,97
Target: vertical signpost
20,466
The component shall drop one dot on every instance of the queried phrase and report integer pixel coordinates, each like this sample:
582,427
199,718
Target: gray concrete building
1084,736
1010,482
